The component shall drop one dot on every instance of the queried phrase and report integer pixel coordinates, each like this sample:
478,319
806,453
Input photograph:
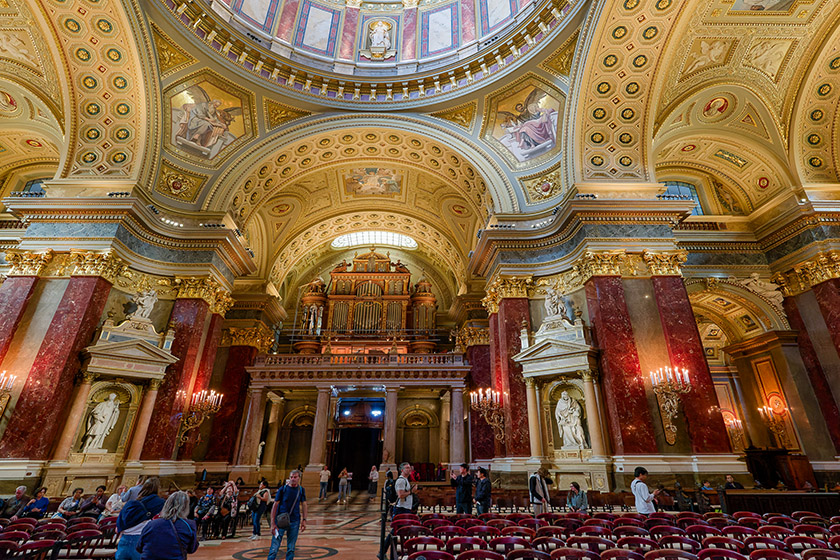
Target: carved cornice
472,336
606,263
501,288
28,263
207,289
258,337
804,276
89,263
665,264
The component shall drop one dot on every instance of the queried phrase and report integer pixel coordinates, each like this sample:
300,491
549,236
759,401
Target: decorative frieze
803,276
511,287
665,264
89,263
28,263
472,336
258,337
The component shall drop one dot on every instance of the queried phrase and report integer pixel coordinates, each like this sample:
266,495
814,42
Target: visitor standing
538,491
482,492
260,499
343,477
463,484
172,536
644,499
288,516
576,500
324,475
405,500
373,483
134,517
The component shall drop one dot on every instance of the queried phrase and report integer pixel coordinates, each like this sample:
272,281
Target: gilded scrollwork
258,337
472,336
803,276
204,288
28,263
509,287
89,263
665,264
607,263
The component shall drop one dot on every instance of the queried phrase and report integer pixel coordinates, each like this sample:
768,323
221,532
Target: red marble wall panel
15,293
630,424
495,371
409,37
40,409
482,440
512,313
347,48
828,298
189,316
235,388
288,17
202,376
701,408
822,390
467,21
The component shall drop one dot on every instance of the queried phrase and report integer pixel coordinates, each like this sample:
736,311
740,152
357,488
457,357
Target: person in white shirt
405,500
373,477
324,475
644,499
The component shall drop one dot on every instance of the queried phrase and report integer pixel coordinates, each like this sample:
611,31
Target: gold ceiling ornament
90,263
606,263
277,114
134,282
665,264
171,57
28,263
462,115
472,336
258,337
804,276
544,186
560,61
507,287
179,183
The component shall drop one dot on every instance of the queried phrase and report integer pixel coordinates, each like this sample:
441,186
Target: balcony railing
310,361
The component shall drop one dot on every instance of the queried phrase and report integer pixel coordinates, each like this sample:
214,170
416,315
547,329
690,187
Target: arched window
370,238
678,188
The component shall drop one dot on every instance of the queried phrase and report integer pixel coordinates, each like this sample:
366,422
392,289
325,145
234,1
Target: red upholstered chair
423,543
721,522
757,542
48,527
523,532
8,548
663,530
15,536
551,516
700,532
573,554
595,544
686,522
669,554
409,532
469,522
621,554
680,542
568,526
484,532
657,521
547,544
35,550
599,523
402,516
435,522
431,555
578,515
28,521
798,543
528,554
48,536
503,545
662,515
723,542
800,514
819,521
83,544
834,529
820,554
770,554
16,526
782,521
628,522
400,523
833,542
501,523
533,523
775,532
815,531
833,520
426,516
638,544
689,515
740,514
517,517
720,554
488,516
709,514
458,545
480,555
81,527
551,531
738,532
637,516
629,531
449,531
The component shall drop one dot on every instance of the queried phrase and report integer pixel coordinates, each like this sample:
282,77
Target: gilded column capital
472,336
88,377
154,384
530,382
805,275
89,263
205,288
507,287
222,302
665,264
258,337
28,263
606,263
588,375
353,3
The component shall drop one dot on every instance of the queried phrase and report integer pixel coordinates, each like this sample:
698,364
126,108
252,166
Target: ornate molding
222,302
28,263
665,264
89,263
205,288
501,288
804,276
472,336
258,337
606,263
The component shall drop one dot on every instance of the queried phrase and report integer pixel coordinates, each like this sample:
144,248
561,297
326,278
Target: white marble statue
555,306
767,290
568,415
260,452
100,422
380,35
145,302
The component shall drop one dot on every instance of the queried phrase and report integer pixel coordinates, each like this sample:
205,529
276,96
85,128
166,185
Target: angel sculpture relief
203,126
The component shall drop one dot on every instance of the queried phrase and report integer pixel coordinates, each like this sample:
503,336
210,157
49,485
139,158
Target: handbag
282,521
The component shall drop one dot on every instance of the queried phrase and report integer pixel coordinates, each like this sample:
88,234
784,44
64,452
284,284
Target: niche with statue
564,411
107,422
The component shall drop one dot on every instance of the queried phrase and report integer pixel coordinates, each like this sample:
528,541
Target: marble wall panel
439,30
15,294
317,28
496,13
259,13
820,336
481,434
513,313
226,423
288,16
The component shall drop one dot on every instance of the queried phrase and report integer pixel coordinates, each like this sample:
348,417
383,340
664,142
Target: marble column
15,294
534,429
74,418
445,406
630,420
41,407
816,375
234,387
828,297
704,421
189,315
252,430
456,426
389,447
318,449
144,418
481,434
593,415
274,419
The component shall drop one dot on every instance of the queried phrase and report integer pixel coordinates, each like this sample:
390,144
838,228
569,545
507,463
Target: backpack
391,492
253,503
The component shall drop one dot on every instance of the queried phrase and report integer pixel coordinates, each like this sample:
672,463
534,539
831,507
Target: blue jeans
256,518
463,507
323,493
127,548
291,539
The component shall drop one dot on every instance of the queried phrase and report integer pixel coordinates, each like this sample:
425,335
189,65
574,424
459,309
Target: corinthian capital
205,288
472,336
89,263
258,337
606,263
665,264
805,275
28,263
501,288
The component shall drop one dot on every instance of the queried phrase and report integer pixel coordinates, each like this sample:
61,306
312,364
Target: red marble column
409,36
507,325
685,348
822,390
628,415
828,298
495,368
347,45
40,409
202,377
235,388
189,315
15,294
482,440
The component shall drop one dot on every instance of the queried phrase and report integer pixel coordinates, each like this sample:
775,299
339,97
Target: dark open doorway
357,449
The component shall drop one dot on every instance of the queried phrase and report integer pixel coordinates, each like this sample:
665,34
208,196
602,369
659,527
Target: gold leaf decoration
179,183
463,115
171,57
559,62
277,114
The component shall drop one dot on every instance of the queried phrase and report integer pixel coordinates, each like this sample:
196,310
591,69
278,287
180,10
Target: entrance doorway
357,449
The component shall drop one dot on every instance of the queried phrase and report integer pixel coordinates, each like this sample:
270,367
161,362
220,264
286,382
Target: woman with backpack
257,506
134,517
171,535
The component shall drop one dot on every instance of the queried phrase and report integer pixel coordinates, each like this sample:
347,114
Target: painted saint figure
100,422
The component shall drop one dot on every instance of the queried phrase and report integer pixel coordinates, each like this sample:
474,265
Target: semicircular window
373,238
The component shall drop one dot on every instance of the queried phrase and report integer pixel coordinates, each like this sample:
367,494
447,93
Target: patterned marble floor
339,532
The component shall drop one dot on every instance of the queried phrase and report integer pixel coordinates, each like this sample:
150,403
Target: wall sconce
488,403
736,433
776,422
204,404
669,385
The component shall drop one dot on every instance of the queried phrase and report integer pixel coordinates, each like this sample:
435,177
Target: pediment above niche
549,357
130,350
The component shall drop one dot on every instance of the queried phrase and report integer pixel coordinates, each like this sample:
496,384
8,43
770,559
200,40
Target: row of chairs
82,537
614,554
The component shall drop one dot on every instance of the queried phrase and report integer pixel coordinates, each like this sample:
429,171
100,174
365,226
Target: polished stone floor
346,531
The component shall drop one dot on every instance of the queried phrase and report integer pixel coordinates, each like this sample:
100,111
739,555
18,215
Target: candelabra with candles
736,433
488,403
203,405
776,422
6,384
669,385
